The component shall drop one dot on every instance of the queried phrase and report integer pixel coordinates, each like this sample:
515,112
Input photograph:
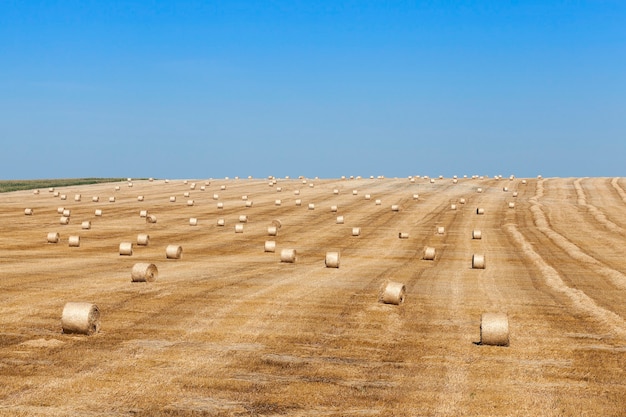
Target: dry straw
368,196
416,196
86,225
429,253
63,197
190,203
477,234
126,248
277,223
461,200
173,252
336,191
311,206
452,206
333,209
392,293
74,241
270,246
288,255
356,231
378,202
151,218
53,237
67,212
35,192
479,190
514,193
144,272
332,260
77,197
216,197
277,202
355,192
143,239
220,205
478,261
139,198
60,210
80,318
249,203
298,202
494,329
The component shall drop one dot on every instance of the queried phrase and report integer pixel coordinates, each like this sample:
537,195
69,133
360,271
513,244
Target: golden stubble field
229,330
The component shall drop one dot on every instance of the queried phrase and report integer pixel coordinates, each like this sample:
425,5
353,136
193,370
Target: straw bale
392,293
143,239
53,237
288,255
332,260
494,329
144,272
270,246
80,318
173,252
126,248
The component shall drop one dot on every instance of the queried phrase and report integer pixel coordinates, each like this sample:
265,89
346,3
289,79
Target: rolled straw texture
193,221
28,212
356,231
143,239
270,246
494,329
126,248
86,225
98,212
478,261
239,228
173,252
272,230
429,253
480,210
339,219
392,293
221,222
144,272
288,255
53,237
477,234
80,318
332,260
64,220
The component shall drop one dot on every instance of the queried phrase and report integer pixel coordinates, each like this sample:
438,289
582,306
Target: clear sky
199,89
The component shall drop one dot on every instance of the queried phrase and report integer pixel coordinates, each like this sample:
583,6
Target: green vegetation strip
17,185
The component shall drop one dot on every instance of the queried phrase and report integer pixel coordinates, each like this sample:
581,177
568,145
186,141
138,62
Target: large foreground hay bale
80,318
288,255
332,260
144,272
494,329
173,252
392,293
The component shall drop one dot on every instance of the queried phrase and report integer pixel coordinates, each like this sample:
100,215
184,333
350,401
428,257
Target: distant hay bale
249,203
74,241
296,192
173,252
143,213
223,187
139,198
511,205
28,212
311,185
202,188
270,246
477,234
172,199
111,199
190,203
368,196
356,231
51,189
479,190
455,181
332,260
56,194
277,202
77,197
524,182
86,225
429,253
441,230
239,228
277,223
117,188
143,239
67,212
80,318
494,329
279,189
53,237
453,206
392,293
403,235
339,219
336,191
60,210
95,198
186,194
126,249
395,207
243,218
63,197
288,255
416,196
378,202
272,230
64,220
216,197
192,186
193,221
505,189
514,193
221,222
98,212
478,261
220,205
144,272
480,210
298,202
333,209
311,206
461,200
355,192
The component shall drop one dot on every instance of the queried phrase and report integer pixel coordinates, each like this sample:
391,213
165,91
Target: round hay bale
126,248
298,202
190,203
429,253
130,185
117,188
186,194
333,209
355,192
311,206
455,181
441,230
172,199
243,218
223,187
461,200
311,185
514,193
239,228
279,189
202,188
80,318
249,203
480,210
74,241
151,218
432,180
216,197
378,202
452,206
272,230
53,237
56,194
77,197
288,255
143,239
98,212
95,199
477,234
28,212
86,225
67,212
173,252
332,260
221,222
392,293
193,221
296,192
524,182
277,202
339,219
356,231
479,190
416,196
336,191
111,199
192,186
494,329
144,272
368,196
220,205
505,189
63,197
64,220
51,189
395,207
60,210
403,235
478,261
143,213
244,197
270,246
511,205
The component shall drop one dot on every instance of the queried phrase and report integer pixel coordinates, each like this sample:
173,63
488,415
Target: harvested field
229,330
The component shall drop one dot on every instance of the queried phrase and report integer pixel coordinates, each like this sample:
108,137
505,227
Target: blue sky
199,89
